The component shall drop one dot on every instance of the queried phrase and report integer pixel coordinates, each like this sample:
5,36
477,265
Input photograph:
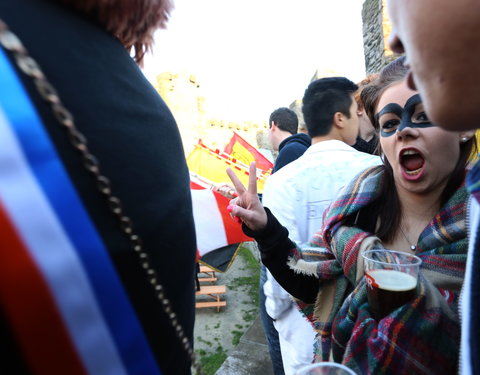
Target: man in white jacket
300,192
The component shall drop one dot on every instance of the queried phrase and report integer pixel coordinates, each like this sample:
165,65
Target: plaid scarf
421,337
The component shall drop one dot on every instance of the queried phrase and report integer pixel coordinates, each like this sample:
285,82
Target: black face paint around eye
391,108
394,108
405,115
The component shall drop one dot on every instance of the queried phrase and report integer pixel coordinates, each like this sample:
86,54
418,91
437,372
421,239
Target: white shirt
298,195
295,333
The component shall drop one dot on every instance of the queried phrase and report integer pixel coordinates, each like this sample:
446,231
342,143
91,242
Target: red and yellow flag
239,149
212,165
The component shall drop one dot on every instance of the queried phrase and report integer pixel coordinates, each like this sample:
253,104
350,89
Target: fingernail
237,219
229,208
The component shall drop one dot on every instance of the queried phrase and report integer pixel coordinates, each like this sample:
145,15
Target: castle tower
182,93
376,30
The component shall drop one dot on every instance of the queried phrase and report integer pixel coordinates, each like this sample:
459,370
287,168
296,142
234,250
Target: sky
253,56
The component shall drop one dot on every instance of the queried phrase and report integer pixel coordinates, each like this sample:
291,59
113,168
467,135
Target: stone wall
376,30
296,106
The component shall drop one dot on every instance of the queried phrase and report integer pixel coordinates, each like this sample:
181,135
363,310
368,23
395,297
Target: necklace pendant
413,247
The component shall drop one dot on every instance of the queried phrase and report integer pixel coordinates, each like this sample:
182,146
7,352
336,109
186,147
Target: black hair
323,98
285,119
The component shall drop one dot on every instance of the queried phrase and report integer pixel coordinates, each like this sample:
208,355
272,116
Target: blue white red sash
60,292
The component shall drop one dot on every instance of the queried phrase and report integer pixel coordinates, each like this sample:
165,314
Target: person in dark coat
90,51
283,127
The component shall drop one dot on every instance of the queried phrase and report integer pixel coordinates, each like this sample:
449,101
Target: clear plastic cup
325,368
392,278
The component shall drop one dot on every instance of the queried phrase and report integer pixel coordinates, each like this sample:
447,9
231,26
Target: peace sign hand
247,206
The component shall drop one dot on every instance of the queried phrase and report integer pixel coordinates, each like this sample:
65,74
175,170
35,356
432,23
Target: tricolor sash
59,289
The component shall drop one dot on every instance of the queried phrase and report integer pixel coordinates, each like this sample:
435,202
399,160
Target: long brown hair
387,207
133,22
361,85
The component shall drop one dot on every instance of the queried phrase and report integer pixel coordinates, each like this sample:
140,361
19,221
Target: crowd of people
414,201
94,197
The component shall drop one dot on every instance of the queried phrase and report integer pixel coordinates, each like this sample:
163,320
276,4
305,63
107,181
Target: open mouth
412,161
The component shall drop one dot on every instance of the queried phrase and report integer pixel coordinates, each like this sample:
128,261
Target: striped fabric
58,288
421,337
213,225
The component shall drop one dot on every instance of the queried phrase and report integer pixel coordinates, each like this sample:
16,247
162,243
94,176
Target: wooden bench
207,279
207,274
207,270
216,304
212,291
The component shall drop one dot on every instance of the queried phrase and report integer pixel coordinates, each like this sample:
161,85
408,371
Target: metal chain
29,66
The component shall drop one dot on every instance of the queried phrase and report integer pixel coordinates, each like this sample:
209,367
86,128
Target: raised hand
247,206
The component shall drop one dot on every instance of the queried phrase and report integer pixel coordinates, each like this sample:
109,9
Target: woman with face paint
416,203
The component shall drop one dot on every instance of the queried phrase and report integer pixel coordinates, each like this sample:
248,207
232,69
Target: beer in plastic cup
392,278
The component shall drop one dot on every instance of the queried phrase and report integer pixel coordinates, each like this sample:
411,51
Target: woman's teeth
413,173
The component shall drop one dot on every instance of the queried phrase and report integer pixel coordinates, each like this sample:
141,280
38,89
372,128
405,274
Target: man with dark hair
326,101
444,62
283,126
299,193
285,119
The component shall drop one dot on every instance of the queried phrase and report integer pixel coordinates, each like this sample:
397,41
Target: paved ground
235,331
250,357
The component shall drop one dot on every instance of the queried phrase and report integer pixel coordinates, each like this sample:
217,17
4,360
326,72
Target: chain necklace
30,67
413,247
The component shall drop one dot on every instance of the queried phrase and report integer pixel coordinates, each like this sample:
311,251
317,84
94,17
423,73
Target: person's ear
339,120
272,125
466,136
360,109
